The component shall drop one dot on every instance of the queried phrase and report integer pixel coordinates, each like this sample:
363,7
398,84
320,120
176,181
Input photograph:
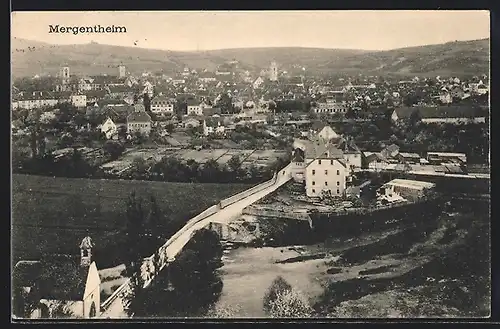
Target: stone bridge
225,211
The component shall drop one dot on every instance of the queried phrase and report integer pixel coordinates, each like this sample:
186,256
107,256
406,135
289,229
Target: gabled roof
138,117
319,149
192,102
119,89
209,111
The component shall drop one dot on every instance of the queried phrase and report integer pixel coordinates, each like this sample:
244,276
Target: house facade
79,100
34,100
213,126
162,106
330,106
139,121
195,108
110,129
325,174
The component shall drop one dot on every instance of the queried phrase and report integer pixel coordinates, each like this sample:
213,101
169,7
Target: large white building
79,100
162,106
322,167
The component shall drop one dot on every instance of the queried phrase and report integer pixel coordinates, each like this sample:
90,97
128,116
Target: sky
205,30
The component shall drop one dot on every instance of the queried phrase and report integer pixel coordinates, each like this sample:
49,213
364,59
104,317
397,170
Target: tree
146,102
225,103
113,149
194,273
234,163
134,231
290,304
155,217
279,285
139,168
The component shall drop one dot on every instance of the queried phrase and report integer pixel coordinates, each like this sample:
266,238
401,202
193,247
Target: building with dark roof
442,114
59,285
139,122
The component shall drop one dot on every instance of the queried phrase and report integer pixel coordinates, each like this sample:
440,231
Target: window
338,191
338,183
319,161
313,190
313,182
331,162
338,172
326,172
314,172
326,183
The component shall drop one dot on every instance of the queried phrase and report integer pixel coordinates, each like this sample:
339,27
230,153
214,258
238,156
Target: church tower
86,251
122,71
273,71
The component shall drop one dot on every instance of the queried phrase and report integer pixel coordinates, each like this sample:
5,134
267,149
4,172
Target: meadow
51,215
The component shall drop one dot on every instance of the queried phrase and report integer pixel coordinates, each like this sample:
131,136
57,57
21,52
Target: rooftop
413,184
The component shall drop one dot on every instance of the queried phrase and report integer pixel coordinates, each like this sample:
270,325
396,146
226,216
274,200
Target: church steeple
86,251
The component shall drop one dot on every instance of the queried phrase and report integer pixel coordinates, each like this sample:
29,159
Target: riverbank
438,267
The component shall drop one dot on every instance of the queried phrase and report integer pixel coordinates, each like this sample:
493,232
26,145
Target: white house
326,174
139,121
213,126
330,106
34,100
258,83
110,129
148,89
321,165
162,106
79,100
195,108
323,131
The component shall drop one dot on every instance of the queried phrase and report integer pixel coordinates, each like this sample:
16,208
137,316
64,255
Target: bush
290,304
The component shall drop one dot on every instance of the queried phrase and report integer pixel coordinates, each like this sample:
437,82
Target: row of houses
326,161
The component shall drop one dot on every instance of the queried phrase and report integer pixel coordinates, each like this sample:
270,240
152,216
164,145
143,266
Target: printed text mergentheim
87,29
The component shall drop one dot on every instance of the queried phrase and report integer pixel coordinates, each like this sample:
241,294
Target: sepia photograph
250,165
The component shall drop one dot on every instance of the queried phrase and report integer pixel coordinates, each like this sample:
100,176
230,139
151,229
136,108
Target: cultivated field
260,158
52,215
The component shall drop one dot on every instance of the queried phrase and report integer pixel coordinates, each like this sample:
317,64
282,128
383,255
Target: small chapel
59,286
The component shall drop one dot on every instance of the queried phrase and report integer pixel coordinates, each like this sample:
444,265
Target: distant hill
31,57
452,58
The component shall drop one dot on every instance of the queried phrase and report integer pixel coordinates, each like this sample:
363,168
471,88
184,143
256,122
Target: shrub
290,304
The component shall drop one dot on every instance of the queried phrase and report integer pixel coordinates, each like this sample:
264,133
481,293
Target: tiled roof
120,89
138,117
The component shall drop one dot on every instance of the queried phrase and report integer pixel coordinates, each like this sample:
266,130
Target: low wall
277,214
242,195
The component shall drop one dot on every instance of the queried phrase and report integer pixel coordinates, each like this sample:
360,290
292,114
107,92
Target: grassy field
52,215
